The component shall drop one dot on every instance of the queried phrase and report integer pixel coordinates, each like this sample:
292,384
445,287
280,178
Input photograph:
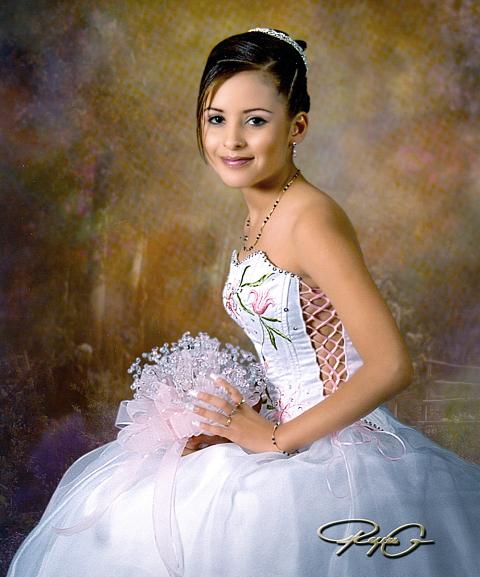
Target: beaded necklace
244,238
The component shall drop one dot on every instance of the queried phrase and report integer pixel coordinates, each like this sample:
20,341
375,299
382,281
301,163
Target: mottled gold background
116,237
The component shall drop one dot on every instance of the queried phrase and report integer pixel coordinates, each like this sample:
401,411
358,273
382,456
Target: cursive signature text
368,538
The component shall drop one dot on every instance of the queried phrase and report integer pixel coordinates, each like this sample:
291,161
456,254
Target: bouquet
161,411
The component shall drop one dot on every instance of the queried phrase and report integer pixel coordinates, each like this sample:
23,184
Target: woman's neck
260,199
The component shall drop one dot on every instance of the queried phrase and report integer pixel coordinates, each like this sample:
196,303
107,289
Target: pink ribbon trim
155,425
367,435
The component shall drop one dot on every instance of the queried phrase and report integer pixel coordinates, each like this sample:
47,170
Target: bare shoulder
317,213
326,251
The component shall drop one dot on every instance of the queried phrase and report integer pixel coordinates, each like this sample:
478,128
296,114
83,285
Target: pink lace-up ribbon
155,434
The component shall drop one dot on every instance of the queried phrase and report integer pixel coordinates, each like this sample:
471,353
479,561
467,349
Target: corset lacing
325,330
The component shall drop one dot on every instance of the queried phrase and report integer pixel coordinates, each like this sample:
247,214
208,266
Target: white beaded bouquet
161,411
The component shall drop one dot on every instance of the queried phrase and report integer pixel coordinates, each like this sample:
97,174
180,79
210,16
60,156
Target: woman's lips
237,162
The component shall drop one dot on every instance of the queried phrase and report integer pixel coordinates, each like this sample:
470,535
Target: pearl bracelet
275,442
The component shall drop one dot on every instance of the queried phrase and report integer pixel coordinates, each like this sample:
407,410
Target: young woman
321,479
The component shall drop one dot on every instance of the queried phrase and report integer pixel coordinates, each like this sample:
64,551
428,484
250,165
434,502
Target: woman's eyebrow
245,111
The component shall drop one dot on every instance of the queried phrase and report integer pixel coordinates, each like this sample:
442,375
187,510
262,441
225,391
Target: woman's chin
234,180
233,177
231,183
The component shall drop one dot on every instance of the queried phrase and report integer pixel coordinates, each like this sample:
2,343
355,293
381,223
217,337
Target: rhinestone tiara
284,37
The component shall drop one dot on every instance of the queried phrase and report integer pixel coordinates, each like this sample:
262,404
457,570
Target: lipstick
236,162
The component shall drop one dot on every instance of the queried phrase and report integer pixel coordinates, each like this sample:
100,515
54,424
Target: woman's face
247,119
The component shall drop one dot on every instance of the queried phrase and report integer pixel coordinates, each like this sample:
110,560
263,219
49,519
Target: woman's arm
327,250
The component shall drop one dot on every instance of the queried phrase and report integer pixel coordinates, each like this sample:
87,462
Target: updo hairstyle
255,51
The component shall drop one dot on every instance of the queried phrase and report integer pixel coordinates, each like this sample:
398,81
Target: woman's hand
194,442
247,427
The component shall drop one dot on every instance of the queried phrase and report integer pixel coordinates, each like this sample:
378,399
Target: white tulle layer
243,514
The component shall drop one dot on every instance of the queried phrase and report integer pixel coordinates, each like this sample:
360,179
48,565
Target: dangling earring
294,149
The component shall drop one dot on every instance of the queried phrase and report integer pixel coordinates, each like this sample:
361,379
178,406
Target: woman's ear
299,127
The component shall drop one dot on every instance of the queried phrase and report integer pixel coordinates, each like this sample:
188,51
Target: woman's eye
262,121
211,119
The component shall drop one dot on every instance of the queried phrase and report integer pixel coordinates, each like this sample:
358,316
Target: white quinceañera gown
236,513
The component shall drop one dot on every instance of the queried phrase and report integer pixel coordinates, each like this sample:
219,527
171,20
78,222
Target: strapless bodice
299,338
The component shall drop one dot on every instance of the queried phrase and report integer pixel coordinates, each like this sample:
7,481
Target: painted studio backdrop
115,236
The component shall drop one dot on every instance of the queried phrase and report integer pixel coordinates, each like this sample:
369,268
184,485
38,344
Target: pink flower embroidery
285,406
261,301
230,303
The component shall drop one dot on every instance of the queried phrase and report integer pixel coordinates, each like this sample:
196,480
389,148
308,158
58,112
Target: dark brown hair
256,51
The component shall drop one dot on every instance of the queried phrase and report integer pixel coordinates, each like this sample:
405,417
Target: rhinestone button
374,425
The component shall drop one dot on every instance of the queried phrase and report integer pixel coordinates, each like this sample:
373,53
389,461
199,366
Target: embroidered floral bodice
302,343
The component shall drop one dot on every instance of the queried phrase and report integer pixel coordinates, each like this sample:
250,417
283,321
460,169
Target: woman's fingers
195,441
234,393
213,400
215,439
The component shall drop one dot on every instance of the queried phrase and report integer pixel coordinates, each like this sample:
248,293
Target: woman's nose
234,136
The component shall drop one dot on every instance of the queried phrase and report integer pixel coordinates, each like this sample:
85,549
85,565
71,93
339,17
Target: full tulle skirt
244,514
